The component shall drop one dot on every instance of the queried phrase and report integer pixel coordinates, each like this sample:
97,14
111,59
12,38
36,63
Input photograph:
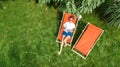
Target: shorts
67,34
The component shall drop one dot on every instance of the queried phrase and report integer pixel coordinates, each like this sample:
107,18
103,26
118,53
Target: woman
67,33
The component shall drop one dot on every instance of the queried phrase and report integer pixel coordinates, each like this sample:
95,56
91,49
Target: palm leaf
112,14
87,6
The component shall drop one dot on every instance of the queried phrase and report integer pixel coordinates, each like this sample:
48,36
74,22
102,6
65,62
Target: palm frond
87,6
112,13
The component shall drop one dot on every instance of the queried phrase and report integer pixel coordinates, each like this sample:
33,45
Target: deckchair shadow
79,29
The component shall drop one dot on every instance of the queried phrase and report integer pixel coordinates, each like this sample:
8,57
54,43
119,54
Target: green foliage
41,2
75,6
59,0
87,6
44,1
112,13
70,7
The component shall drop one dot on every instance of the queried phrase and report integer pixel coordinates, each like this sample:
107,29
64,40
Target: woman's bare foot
59,52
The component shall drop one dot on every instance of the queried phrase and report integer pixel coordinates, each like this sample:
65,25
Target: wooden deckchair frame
79,53
61,27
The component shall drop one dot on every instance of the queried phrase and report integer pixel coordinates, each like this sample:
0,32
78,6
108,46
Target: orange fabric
88,39
65,19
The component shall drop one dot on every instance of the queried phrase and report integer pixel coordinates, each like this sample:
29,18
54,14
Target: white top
69,26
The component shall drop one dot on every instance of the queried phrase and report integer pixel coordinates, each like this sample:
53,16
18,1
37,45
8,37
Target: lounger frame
79,53
61,27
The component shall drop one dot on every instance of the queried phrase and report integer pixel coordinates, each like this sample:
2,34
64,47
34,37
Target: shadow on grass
4,0
101,10
53,4
80,27
1,7
36,1
59,19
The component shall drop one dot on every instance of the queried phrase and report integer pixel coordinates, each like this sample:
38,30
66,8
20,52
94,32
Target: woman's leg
65,40
61,45
69,35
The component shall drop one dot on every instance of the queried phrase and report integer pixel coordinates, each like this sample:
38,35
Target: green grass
28,39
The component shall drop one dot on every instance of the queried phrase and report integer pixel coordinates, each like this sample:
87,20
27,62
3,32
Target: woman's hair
71,17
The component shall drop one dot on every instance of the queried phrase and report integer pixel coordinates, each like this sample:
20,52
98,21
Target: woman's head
71,18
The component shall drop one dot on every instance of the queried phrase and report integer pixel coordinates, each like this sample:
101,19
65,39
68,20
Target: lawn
28,38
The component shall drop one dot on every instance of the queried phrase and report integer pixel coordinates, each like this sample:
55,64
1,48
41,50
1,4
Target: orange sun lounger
87,40
61,29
